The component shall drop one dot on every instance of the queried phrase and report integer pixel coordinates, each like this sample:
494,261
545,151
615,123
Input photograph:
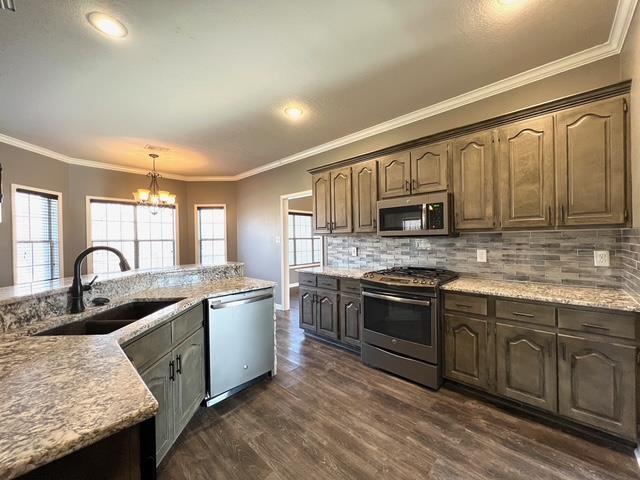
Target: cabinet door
321,203
597,384
394,175
307,309
526,365
473,174
526,174
365,197
590,159
429,168
341,201
350,319
158,380
189,387
327,313
466,359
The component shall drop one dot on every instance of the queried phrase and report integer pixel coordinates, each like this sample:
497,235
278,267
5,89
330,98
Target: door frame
284,246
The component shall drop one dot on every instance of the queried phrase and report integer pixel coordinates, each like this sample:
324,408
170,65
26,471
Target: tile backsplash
559,257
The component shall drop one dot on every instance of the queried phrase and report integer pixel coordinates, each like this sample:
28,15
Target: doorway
300,247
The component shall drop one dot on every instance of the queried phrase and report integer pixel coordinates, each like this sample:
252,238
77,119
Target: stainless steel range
401,311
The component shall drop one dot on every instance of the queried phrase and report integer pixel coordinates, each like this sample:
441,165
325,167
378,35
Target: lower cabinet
526,365
159,381
597,384
333,314
350,319
171,362
466,346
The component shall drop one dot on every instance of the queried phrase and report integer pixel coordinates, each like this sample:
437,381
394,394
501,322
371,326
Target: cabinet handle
375,222
414,182
179,364
520,314
463,305
562,213
172,371
549,212
594,326
406,185
563,348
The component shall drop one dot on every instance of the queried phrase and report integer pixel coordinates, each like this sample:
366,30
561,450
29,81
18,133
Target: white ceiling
209,79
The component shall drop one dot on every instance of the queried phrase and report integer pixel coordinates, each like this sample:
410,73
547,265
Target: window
146,240
211,233
304,248
37,235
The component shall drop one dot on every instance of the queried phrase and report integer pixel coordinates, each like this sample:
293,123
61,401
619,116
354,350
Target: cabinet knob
394,341
245,366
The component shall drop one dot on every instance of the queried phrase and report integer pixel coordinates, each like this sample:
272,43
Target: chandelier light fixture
154,197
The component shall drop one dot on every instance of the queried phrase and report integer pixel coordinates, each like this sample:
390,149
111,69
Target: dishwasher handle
219,304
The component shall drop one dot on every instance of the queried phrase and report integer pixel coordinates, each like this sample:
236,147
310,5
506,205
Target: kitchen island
64,393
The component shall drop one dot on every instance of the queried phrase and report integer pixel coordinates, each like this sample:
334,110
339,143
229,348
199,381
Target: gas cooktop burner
422,277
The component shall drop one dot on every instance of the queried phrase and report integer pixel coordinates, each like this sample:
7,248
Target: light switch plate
481,255
601,258
354,251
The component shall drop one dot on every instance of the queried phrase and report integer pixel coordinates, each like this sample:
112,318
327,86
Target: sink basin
110,320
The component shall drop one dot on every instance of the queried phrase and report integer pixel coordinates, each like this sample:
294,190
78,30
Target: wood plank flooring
327,416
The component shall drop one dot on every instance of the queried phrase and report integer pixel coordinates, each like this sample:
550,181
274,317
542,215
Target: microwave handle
425,225
393,298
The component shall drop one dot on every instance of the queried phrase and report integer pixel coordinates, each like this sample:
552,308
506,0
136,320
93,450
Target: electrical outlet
601,258
354,251
481,255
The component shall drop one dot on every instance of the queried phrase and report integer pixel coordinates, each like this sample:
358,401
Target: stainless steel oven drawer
423,373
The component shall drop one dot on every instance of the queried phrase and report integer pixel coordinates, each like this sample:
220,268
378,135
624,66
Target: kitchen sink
110,320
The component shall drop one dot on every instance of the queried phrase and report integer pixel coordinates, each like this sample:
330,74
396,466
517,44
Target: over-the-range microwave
418,215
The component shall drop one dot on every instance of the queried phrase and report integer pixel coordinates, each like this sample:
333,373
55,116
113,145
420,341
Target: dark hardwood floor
327,416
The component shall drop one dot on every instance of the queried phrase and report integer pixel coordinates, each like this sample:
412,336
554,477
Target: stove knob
415,280
423,281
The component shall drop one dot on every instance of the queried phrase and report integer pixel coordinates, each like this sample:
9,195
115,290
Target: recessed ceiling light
293,112
107,25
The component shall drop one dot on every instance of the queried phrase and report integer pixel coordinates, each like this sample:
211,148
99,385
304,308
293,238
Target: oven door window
404,321
405,218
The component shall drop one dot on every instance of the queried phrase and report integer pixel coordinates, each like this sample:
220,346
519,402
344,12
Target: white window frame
304,265
14,234
90,198
196,226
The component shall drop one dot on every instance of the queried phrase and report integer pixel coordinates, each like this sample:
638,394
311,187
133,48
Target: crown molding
613,46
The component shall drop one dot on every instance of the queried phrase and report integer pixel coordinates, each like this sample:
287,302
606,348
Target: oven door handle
393,298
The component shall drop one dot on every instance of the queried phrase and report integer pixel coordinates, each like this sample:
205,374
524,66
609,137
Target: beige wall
630,68
304,204
259,196
212,193
76,183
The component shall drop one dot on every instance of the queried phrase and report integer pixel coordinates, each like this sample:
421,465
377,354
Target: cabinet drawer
328,282
465,303
146,350
526,312
187,323
350,285
621,325
308,279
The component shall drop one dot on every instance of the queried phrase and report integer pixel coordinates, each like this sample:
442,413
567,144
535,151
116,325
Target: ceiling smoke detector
156,148
7,5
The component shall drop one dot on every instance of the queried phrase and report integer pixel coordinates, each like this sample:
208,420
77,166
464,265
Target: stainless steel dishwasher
241,342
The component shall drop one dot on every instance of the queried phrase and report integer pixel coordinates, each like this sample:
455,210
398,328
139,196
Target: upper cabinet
341,200
394,175
590,157
560,165
321,203
430,168
365,196
527,197
473,174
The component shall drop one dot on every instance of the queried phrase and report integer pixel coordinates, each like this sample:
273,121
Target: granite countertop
580,296
63,393
354,273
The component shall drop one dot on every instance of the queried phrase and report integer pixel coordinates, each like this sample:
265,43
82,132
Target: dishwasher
241,335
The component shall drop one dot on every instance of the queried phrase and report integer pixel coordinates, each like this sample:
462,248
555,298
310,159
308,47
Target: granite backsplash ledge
25,304
556,257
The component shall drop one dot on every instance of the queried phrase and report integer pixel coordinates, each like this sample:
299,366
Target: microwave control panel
435,216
